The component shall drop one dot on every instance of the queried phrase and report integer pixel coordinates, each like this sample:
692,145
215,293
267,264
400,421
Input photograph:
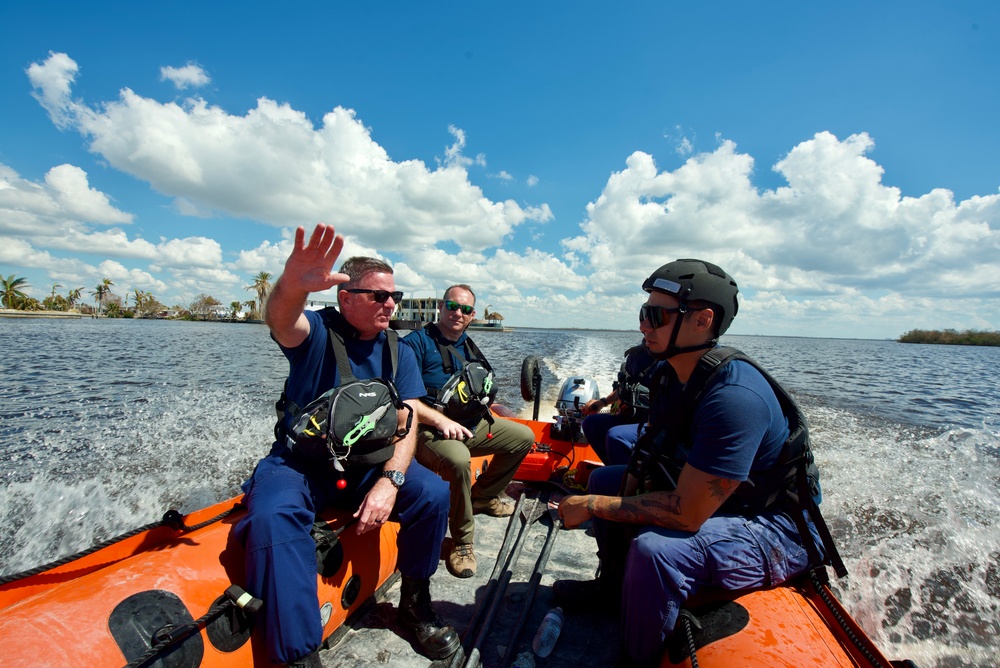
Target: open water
105,424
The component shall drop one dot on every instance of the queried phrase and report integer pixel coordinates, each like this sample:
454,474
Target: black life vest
354,423
470,390
790,485
631,389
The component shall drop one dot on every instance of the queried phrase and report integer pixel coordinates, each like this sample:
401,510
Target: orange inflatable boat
170,594
168,591
798,624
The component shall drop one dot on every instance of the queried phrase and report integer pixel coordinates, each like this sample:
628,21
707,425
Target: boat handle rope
170,635
172,518
819,579
690,623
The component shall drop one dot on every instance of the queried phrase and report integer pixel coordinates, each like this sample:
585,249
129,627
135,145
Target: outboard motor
574,393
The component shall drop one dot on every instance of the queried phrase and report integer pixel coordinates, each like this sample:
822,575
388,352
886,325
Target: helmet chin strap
672,347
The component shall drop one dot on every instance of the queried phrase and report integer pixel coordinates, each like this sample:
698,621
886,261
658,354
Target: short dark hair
359,267
461,286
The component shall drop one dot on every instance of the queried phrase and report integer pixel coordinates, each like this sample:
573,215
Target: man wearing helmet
672,523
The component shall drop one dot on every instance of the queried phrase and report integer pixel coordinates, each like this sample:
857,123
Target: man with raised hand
286,491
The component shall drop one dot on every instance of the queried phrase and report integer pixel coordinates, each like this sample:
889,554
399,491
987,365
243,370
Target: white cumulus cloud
189,76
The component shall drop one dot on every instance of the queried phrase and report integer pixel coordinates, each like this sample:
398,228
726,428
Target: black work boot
595,595
415,613
602,594
310,660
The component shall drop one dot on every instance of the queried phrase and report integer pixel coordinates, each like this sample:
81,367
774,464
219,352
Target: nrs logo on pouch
356,423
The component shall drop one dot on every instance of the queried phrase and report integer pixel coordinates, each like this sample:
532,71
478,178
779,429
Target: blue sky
840,160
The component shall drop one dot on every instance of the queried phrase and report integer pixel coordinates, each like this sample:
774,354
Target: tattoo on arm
721,488
670,504
643,510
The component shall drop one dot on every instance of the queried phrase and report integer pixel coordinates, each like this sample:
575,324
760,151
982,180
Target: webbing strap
472,351
339,350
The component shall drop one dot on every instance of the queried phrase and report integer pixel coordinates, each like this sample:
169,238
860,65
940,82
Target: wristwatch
395,477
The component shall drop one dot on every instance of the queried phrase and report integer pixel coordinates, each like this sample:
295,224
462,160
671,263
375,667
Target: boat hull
109,603
102,608
786,627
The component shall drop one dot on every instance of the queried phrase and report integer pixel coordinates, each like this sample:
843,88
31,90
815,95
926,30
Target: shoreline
15,313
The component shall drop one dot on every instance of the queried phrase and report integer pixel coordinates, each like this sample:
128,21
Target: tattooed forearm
670,503
662,510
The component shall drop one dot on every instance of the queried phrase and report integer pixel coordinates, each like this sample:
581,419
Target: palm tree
73,296
11,294
140,299
262,285
54,286
236,308
98,294
252,306
101,293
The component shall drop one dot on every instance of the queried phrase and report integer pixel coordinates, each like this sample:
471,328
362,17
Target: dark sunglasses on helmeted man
658,316
455,306
379,296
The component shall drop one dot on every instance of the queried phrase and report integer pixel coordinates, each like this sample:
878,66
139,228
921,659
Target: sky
840,160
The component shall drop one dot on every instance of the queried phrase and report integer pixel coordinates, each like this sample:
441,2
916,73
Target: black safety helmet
697,280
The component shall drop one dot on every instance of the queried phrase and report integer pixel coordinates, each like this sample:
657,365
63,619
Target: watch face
396,477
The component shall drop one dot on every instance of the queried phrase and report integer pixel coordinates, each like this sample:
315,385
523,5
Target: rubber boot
415,613
310,660
602,594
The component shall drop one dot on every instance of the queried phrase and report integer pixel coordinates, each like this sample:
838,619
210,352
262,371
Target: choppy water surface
105,424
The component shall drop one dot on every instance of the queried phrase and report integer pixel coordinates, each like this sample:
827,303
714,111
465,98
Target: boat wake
914,512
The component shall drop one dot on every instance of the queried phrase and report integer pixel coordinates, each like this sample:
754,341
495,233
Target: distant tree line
951,337
143,304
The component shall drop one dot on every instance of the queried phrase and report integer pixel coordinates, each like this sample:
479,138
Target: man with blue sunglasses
446,446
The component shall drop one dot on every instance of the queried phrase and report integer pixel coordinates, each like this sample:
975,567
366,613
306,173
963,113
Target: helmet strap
672,347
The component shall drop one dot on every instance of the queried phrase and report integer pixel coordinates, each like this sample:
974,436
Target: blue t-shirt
738,425
429,359
313,367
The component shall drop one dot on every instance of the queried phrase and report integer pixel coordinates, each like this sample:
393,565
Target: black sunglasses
379,296
455,306
658,316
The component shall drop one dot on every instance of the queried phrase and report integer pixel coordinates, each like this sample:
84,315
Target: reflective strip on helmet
667,285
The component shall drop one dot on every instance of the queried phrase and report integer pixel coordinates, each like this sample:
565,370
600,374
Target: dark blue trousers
282,498
611,436
665,567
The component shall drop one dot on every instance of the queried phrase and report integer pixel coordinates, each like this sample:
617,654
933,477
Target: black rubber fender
529,369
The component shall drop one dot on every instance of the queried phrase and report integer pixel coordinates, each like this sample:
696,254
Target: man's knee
517,438
428,490
451,459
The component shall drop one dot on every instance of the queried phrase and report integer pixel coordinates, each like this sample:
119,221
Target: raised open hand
310,266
